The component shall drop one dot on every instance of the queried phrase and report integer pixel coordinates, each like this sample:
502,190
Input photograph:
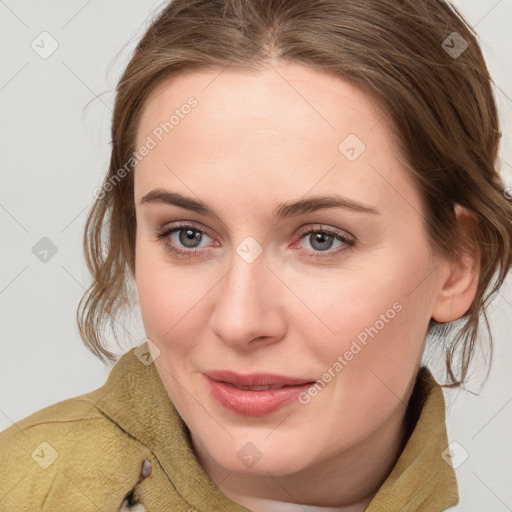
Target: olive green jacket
125,443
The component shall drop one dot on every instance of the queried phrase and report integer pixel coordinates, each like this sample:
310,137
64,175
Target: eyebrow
283,210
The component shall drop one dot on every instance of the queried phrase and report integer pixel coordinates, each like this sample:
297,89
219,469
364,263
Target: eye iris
322,238
189,235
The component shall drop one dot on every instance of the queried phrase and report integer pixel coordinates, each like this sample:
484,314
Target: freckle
146,469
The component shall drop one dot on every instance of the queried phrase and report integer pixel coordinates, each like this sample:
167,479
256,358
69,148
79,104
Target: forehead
289,125
274,98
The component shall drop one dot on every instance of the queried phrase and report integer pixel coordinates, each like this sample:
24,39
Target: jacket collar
134,397
422,478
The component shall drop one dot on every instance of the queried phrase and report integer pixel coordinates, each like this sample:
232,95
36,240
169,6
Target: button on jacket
124,447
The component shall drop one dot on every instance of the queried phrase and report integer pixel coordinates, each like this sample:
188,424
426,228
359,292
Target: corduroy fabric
86,454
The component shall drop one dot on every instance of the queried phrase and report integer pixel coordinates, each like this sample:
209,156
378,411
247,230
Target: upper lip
255,379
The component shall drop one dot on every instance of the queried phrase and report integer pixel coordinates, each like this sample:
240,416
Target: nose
249,304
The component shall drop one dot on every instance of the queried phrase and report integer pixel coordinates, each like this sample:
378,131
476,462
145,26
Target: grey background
54,152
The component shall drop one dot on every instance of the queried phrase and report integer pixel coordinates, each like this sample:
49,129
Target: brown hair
440,103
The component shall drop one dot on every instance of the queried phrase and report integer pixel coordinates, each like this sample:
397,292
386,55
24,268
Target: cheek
373,315
171,298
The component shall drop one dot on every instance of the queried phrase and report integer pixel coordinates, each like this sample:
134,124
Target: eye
323,240
183,239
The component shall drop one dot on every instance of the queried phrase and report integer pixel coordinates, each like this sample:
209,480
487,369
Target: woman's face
260,295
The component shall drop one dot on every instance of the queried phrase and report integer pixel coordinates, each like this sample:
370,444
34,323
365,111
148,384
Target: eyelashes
164,236
322,235
346,242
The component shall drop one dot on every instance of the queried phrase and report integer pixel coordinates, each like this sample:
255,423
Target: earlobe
460,281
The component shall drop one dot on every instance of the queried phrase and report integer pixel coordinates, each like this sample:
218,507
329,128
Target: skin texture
252,142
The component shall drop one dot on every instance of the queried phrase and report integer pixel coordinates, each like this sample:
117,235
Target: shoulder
69,453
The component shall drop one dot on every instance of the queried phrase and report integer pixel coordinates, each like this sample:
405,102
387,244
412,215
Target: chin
258,458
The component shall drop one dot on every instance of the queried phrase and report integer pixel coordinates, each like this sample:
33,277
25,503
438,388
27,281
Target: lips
256,380
254,394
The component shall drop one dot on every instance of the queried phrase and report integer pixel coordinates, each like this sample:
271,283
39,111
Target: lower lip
254,403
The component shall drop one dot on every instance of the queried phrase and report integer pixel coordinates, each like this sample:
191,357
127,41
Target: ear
460,279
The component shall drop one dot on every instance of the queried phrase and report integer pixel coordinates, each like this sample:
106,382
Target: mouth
255,394
261,388
256,381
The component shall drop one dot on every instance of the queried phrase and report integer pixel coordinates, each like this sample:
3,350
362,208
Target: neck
346,482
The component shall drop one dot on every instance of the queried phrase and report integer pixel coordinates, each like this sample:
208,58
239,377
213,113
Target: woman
300,192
